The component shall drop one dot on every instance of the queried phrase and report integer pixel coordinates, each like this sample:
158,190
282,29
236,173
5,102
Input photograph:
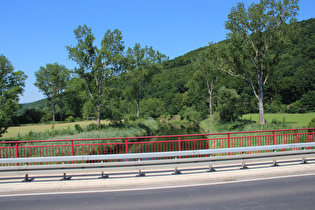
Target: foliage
31,115
11,87
52,81
143,63
308,101
257,35
97,67
228,105
70,119
206,75
311,123
153,107
192,115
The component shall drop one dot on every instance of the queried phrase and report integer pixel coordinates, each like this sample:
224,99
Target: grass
15,131
139,127
300,120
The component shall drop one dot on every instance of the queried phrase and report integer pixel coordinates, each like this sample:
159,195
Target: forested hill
172,90
292,77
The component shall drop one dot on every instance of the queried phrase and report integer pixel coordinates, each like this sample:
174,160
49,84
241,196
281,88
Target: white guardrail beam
148,156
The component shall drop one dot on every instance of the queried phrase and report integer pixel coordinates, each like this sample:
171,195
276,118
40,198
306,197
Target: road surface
284,192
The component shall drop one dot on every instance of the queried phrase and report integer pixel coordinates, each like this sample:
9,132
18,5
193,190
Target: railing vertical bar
229,141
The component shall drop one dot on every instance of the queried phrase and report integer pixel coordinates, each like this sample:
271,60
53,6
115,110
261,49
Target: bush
228,105
78,119
78,128
152,107
70,119
91,127
308,101
311,123
130,117
272,108
192,115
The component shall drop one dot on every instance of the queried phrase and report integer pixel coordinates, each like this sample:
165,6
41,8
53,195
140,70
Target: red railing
71,147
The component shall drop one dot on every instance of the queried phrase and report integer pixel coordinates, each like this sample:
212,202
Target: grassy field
301,120
296,120
25,129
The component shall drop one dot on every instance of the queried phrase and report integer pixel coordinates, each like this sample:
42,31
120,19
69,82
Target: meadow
298,120
15,131
145,127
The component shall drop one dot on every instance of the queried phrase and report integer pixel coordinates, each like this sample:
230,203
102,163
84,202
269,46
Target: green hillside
290,88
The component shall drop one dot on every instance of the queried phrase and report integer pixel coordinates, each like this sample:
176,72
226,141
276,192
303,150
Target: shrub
311,124
91,127
152,107
78,128
192,115
70,119
78,119
308,101
228,105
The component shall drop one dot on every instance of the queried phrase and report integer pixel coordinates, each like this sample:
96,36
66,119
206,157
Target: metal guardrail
147,144
148,158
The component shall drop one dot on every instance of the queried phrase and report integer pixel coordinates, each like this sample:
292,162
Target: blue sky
34,33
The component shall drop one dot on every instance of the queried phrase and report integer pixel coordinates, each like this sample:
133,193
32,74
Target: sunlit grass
15,131
301,120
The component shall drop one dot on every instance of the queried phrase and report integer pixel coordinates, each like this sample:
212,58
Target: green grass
140,127
300,120
22,130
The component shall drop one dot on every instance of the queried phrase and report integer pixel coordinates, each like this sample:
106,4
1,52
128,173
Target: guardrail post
17,151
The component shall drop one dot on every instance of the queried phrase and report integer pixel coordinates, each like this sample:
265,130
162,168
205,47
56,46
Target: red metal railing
71,147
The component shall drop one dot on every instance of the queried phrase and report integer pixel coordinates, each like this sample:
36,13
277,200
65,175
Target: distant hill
41,104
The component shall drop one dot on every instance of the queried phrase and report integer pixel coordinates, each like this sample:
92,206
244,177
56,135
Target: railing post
229,141
72,150
274,137
126,145
17,151
179,145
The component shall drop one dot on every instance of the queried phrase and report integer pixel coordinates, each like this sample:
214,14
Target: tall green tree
97,67
256,38
143,63
11,87
205,75
52,81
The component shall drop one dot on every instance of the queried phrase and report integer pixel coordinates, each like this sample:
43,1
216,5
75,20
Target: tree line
264,65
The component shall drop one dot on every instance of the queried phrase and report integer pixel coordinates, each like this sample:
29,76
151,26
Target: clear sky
34,33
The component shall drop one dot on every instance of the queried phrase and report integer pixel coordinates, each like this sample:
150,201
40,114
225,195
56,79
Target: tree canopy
11,87
52,81
97,67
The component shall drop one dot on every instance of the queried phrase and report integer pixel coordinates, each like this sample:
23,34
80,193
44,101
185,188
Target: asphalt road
295,192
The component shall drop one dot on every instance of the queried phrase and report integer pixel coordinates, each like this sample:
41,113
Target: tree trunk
210,91
61,106
261,104
138,106
98,120
210,104
261,111
53,110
